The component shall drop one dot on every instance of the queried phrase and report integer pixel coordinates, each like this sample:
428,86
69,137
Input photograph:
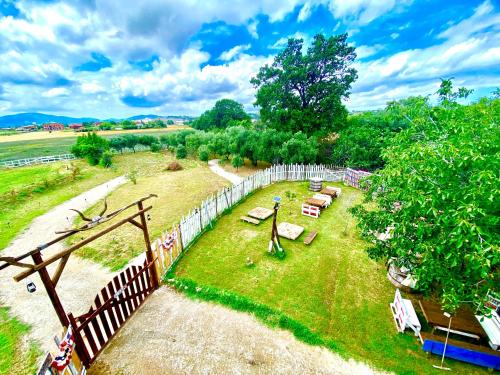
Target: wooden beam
14,262
80,244
132,221
59,270
51,290
149,252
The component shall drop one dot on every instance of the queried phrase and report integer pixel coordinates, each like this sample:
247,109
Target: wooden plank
250,220
131,288
80,346
90,339
102,315
123,305
126,292
110,312
116,308
310,237
97,330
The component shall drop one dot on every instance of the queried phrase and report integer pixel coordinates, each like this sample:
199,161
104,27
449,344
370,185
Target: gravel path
79,282
171,334
217,169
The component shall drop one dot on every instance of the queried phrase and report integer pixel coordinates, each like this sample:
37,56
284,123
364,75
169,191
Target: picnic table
463,322
316,202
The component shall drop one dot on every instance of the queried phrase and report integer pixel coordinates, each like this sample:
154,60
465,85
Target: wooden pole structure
149,251
51,290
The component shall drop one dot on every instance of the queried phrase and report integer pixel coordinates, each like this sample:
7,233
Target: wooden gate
112,307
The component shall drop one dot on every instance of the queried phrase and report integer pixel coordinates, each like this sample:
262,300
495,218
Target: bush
181,152
106,159
155,147
91,147
203,153
174,166
237,161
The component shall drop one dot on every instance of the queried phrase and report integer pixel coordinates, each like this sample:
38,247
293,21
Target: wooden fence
353,177
170,245
38,160
116,302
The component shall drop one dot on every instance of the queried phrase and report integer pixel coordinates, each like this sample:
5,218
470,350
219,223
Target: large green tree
439,191
304,92
226,112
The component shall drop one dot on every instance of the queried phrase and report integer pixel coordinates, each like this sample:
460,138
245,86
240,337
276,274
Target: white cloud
394,35
363,12
91,87
305,12
367,51
233,52
56,91
252,29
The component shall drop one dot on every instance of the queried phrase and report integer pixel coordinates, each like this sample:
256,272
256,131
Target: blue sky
107,58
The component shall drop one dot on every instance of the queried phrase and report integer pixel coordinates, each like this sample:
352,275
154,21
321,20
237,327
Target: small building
52,126
26,129
76,127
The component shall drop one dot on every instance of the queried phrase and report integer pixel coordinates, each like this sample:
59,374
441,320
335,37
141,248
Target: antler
105,207
84,218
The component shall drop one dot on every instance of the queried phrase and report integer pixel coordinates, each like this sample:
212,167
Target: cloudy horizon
103,58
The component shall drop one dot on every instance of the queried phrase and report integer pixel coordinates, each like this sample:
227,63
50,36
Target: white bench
311,211
404,314
492,328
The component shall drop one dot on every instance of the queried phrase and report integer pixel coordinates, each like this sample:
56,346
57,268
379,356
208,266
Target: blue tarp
489,360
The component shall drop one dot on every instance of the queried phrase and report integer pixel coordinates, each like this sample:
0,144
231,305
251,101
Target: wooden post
179,235
51,291
149,252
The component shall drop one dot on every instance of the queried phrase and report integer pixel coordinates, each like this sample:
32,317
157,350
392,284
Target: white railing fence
37,160
193,224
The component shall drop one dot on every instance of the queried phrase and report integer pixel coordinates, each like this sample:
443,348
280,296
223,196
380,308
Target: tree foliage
303,92
439,190
91,147
226,112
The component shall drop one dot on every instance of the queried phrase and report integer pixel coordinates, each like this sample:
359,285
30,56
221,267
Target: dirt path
217,169
79,282
171,334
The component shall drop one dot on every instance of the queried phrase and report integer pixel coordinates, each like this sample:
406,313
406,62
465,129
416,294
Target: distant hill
21,119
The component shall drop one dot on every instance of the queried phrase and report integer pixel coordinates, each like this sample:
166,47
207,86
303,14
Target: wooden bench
404,314
310,237
250,220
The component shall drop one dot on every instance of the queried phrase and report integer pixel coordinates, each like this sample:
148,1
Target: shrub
174,166
203,153
132,176
155,147
181,152
106,159
237,161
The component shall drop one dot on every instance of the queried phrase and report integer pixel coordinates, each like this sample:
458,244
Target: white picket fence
37,160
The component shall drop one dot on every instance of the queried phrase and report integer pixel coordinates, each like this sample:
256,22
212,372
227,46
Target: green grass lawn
331,286
16,355
178,192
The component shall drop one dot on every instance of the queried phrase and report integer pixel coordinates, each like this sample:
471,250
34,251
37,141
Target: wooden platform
260,213
290,231
316,202
310,237
250,220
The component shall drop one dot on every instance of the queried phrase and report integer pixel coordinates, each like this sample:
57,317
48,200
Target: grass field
178,192
28,192
14,147
16,355
331,286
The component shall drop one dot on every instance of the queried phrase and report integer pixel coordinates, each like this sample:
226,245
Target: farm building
53,126
76,127
26,129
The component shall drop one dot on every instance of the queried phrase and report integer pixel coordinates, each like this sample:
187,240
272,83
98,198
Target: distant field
71,134
14,147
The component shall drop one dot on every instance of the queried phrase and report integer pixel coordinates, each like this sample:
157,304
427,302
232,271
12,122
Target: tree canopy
226,112
439,192
303,92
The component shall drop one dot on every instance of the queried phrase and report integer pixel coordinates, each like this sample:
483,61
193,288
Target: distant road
42,135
